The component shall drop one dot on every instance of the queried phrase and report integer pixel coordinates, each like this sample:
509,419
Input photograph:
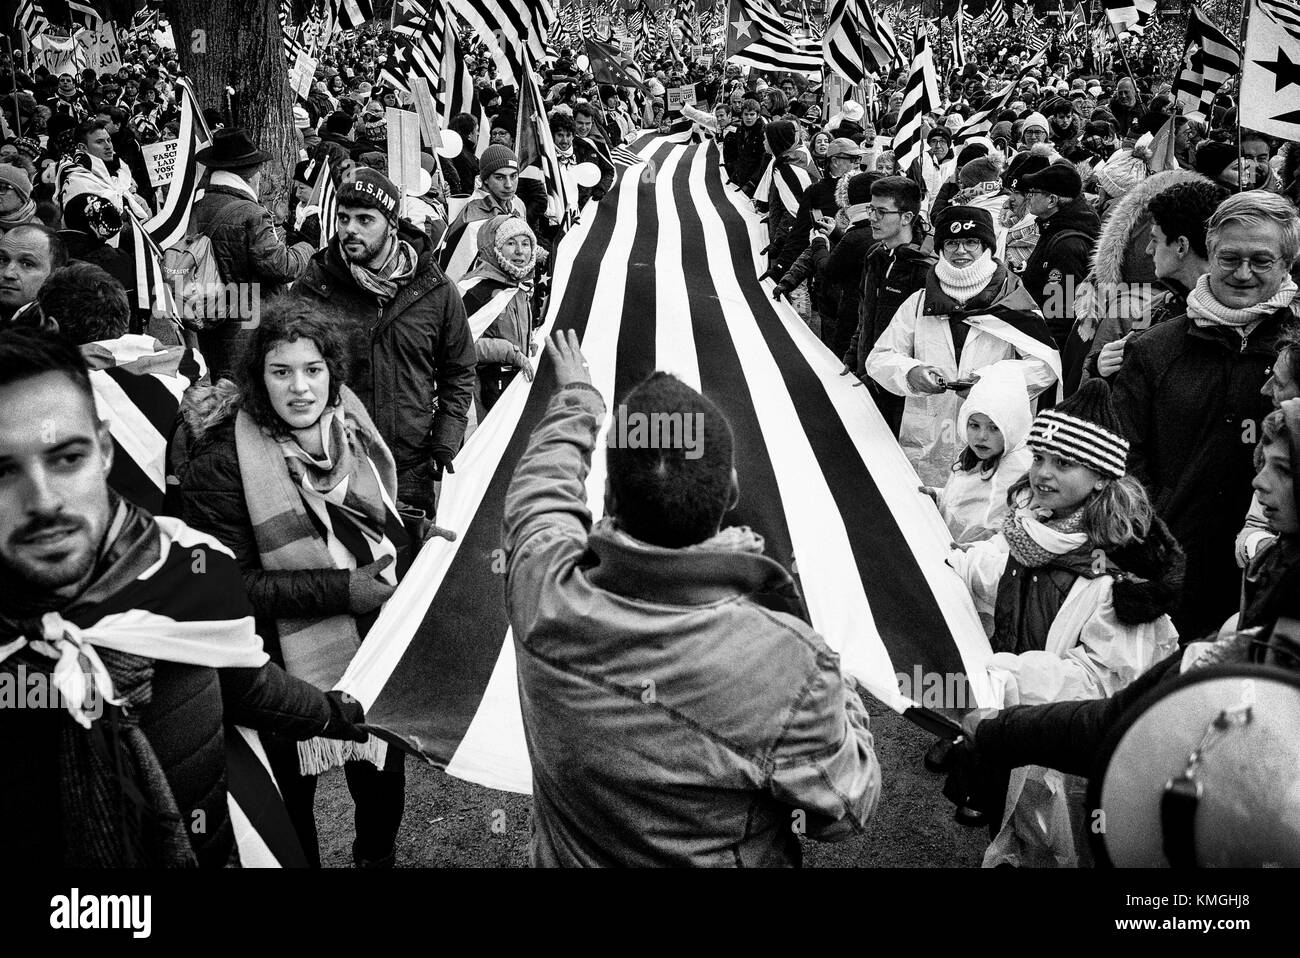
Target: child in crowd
1079,585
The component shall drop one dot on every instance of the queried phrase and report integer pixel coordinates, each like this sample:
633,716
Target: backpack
190,268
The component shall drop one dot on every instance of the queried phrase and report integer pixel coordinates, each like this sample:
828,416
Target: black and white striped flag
1286,13
663,276
758,36
1129,15
514,31
980,123
957,42
920,96
1209,59
350,14
31,19
858,41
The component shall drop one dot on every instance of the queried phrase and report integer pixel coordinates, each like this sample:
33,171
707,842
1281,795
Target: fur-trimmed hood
1116,260
1151,584
204,408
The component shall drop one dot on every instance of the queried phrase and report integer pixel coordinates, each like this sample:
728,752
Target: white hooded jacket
974,503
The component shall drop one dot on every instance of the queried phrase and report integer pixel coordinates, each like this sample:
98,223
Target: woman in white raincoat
1079,584
972,313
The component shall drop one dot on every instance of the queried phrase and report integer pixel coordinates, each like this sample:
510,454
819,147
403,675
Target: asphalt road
451,823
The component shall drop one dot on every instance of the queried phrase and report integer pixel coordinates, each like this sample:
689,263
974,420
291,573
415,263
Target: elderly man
28,255
1188,394
245,244
412,352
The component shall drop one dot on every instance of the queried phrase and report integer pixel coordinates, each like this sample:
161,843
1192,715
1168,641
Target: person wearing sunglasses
971,313
1189,392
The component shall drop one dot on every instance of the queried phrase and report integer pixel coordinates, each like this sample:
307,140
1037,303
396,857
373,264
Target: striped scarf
1035,543
337,513
117,807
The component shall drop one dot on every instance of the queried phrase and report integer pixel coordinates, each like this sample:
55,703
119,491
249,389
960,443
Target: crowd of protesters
1086,350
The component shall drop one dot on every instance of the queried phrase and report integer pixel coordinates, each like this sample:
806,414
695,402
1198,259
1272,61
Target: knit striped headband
1080,441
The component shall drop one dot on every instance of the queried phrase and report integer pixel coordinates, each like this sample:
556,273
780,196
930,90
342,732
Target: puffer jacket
1060,261
1119,293
244,242
1188,398
412,360
648,745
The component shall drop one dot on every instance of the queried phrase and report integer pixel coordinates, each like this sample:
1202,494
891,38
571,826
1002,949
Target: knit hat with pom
1084,429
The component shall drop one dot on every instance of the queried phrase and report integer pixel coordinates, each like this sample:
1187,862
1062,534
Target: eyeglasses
876,213
968,245
1230,263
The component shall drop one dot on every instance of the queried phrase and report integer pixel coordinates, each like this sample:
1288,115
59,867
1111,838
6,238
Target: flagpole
1137,93
1241,37
13,75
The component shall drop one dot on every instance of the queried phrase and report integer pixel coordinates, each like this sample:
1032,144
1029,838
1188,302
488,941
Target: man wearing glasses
1067,234
896,268
1188,394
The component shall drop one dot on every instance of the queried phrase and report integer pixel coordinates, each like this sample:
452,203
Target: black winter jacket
888,278
1064,249
818,196
412,360
743,154
1188,398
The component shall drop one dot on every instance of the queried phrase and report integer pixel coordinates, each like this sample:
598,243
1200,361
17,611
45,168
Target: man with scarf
412,352
972,312
95,168
782,185
498,172
1189,395
138,630
571,150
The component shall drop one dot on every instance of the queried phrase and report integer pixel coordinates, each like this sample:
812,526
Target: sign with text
103,55
680,96
302,74
160,161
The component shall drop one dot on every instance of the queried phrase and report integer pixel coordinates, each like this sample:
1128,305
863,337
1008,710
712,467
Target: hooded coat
498,306
1119,293
974,503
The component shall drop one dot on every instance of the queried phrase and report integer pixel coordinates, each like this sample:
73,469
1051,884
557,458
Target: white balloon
582,63
451,144
424,182
587,174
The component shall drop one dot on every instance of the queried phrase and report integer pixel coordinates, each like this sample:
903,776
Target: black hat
1084,429
1022,166
1059,179
964,222
1213,158
230,150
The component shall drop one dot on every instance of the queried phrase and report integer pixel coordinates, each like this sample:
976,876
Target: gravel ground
454,823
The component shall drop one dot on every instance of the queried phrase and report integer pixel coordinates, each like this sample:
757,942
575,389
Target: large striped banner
663,275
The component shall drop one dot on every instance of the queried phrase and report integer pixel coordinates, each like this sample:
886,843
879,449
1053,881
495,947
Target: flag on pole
536,151
171,222
757,36
920,96
514,31
664,276
858,41
1209,59
1270,75
957,42
607,66
1125,15
980,123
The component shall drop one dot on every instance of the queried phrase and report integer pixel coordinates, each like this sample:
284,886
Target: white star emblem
742,26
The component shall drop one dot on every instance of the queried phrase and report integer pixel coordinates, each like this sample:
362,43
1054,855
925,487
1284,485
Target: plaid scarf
291,498
397,270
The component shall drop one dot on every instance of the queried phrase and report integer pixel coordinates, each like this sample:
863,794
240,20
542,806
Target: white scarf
961,284
1207,311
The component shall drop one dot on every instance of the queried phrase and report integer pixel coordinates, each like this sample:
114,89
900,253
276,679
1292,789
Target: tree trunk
239,43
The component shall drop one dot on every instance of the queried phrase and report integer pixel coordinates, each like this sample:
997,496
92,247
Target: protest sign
404,150
160,161
679,96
